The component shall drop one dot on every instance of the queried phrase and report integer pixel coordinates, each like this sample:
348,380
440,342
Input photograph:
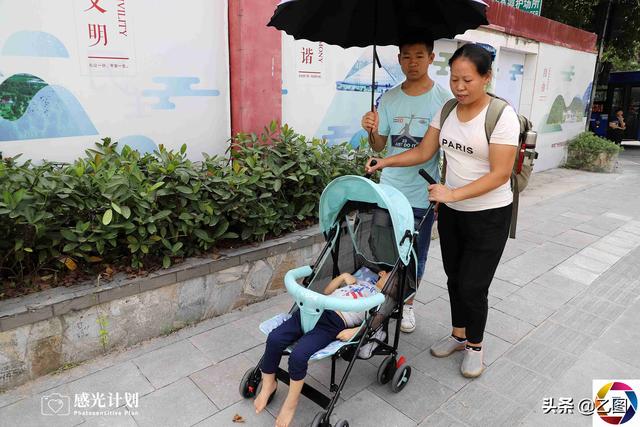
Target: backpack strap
494,112
447,108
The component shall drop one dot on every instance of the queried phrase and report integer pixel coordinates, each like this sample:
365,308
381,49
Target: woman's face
466,83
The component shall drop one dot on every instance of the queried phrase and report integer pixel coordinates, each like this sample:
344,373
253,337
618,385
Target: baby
331,325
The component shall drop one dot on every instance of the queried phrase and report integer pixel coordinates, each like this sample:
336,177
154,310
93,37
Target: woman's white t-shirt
467,152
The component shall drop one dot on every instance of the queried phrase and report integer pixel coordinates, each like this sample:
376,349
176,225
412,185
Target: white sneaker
408,323
366,351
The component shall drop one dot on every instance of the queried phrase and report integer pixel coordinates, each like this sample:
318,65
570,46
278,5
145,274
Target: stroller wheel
249,383
400,378
386,370
318,420
341,423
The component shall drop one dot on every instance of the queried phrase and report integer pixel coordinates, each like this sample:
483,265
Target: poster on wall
72,73
105,37
561,99
310,62
331,107
508,84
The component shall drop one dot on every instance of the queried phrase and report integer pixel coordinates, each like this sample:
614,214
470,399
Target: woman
475,202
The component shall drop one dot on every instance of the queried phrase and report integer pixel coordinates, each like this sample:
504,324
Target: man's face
414,60
619,113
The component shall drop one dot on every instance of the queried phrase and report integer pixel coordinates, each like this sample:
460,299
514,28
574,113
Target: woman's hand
347,334
369,168
440,193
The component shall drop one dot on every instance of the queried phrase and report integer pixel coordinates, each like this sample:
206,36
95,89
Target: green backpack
523,165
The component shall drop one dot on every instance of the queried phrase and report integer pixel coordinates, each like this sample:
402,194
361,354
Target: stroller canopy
359,189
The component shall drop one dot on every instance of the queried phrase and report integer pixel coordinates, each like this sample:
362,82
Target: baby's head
382,279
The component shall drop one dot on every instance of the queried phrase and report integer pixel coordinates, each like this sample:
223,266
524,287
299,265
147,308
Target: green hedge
123,208
588,151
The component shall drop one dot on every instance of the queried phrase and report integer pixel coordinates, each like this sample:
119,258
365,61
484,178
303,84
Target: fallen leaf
71,264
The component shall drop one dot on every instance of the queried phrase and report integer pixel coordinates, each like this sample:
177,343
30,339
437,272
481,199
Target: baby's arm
347,334
339,281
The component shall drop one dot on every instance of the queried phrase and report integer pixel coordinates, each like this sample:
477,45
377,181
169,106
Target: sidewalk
564,310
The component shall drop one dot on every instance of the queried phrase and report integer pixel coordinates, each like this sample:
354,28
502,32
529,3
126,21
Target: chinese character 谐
307,55
98,32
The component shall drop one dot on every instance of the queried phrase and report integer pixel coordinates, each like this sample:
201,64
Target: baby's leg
277,341
325,331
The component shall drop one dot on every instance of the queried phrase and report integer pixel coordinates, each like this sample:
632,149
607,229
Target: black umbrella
361,23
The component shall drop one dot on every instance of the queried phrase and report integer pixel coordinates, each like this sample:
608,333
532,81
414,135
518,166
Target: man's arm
370,123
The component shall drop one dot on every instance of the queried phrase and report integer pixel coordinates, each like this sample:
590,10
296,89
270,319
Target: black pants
472,244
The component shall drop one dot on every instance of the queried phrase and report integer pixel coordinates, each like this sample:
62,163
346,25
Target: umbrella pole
373,63
373,76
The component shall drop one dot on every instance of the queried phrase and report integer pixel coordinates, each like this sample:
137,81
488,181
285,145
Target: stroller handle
310,301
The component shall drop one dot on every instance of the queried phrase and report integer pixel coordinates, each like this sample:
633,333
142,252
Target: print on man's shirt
405,139
457,146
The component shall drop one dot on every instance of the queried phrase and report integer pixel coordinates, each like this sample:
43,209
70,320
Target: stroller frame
393,368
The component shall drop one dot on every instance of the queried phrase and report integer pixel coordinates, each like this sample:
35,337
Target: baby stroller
365,225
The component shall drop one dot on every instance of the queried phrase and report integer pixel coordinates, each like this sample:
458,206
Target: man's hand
347,334
370,121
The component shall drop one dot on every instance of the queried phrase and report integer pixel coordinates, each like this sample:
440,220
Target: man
404,114
617,127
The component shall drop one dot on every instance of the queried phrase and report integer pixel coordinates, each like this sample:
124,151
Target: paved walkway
564,310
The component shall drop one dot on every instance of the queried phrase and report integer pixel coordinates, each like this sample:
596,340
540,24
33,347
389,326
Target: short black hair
416,38
619,109
475,53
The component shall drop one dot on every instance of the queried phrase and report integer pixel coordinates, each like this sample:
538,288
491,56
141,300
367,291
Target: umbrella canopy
361,23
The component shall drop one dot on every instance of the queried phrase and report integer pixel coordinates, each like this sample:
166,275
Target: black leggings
472,244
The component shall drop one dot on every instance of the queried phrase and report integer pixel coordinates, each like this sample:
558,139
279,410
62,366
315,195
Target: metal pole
596,72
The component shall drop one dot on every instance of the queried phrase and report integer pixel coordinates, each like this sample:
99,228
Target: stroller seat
277,320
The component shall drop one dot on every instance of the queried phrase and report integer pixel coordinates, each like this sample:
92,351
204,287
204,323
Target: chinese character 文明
95,5
81,400
131,399
619,405
307,55
98,399
98,32
549,406
565,405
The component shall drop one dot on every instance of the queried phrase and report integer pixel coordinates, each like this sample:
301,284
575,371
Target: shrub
590,152
119,208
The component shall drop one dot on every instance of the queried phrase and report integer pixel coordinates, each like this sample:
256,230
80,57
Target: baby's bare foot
262,398
285,416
